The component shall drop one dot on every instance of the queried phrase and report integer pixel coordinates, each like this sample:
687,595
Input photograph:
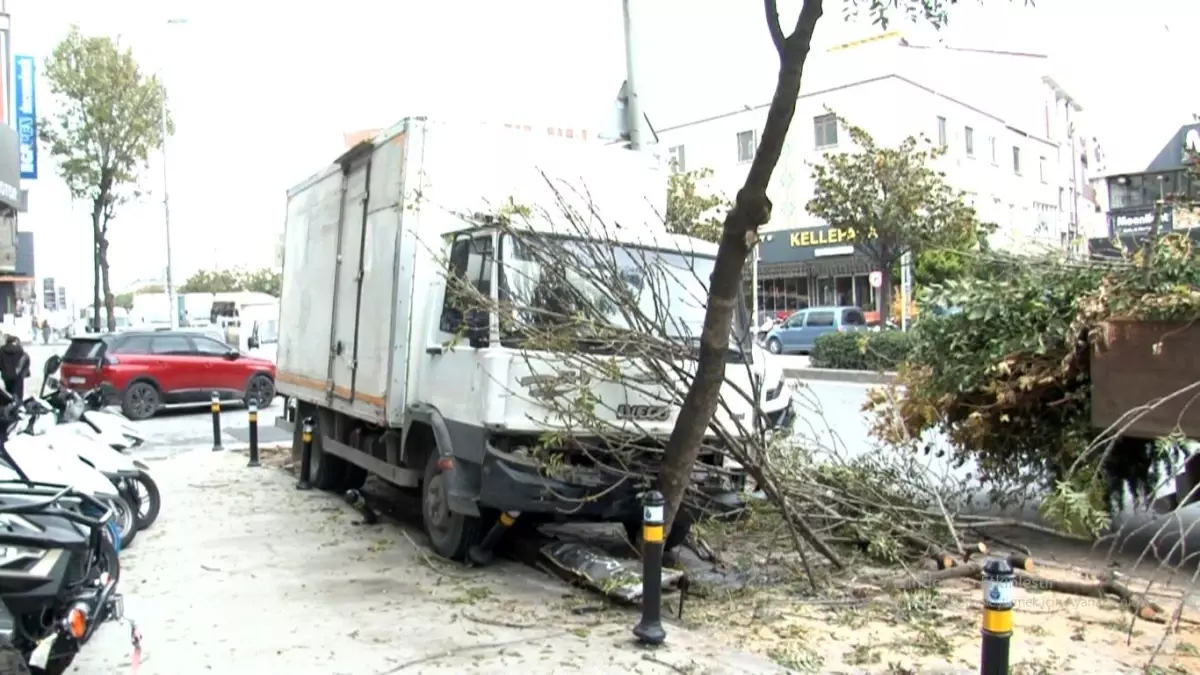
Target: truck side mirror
252,342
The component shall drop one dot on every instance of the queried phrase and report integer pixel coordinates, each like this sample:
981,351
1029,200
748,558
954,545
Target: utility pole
634,120
173,313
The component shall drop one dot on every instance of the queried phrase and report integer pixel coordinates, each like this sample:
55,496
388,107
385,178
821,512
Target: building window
677,159
992,140
942,131
825,131
969,139
1060,199
1042,169
1016,160
747,143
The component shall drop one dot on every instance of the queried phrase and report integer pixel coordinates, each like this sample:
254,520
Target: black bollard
253,433
305,455
482,553
216,413
650,630
997,616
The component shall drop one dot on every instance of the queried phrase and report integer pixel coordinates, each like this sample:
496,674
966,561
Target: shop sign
1139,221
821,236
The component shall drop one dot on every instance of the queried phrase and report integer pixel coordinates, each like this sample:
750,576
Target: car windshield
546,282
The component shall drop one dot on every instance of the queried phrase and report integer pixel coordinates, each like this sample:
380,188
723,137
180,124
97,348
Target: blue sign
26,118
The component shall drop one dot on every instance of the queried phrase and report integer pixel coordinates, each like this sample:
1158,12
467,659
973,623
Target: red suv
148,370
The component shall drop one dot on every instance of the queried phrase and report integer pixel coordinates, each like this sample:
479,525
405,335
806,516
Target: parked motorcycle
106,440
60,570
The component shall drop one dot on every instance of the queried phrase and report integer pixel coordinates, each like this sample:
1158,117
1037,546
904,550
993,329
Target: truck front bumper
511,483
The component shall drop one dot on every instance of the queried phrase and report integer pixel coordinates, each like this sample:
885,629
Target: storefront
16,284
1133,197
812,267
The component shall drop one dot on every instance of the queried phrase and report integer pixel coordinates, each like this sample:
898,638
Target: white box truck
367,348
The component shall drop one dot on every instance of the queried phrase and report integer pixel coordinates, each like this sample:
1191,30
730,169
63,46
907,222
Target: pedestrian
14,367
46,331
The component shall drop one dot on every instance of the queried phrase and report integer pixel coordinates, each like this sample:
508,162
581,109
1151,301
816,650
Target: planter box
1135,363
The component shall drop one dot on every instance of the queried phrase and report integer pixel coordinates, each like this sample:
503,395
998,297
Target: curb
835,375
175,451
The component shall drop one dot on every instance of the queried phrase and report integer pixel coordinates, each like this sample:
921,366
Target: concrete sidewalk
243,574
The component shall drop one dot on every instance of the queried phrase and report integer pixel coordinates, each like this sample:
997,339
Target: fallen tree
1006,378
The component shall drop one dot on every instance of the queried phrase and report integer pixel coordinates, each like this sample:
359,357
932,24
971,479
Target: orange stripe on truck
340,392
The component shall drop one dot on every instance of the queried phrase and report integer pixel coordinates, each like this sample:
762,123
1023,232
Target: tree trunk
107,288
751,210
96,213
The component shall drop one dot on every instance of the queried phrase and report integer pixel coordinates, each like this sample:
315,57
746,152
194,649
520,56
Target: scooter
37,459
131,477
90,408
60,569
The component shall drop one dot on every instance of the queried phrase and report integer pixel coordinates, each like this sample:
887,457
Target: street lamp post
173,313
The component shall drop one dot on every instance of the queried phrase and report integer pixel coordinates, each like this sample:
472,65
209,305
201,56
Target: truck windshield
547,281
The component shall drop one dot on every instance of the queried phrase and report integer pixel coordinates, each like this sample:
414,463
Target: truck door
460,330
343,357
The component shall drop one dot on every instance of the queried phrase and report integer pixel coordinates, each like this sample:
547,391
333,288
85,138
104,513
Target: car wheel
775,346
260,389
141,401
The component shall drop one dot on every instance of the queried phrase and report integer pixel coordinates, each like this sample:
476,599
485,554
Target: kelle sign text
823,236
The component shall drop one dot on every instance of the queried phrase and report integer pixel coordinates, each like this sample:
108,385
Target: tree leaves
892,199
108,119
264,280
690,211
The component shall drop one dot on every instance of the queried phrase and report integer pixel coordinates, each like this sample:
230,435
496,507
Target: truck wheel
678,535
12,663
354,478
325,471
450,534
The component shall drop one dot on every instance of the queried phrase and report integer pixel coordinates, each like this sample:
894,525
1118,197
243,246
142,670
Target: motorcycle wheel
12,662
126,520
142,493
105,559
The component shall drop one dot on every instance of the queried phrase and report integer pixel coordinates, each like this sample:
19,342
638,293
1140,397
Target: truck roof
614,170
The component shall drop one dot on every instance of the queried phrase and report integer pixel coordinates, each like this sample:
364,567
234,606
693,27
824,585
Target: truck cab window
470,262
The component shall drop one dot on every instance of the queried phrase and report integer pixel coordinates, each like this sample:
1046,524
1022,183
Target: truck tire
325,471
450,534
354,478
12,663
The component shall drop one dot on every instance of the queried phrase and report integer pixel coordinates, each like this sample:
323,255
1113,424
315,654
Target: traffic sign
876,279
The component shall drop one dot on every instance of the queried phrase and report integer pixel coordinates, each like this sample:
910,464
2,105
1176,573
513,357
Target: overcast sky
261,91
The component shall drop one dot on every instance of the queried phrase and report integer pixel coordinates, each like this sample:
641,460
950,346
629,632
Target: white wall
893,89
891,108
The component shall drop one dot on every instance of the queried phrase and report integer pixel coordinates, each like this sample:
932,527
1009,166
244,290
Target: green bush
885,350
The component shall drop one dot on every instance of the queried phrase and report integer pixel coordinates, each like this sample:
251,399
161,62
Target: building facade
1133,197
1025,178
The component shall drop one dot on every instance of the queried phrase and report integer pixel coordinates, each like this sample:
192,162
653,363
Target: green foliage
893,202
884,350
1006,379
690,211
125,300
108,117
264,280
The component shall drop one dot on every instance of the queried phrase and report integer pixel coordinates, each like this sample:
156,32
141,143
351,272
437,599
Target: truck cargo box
363,239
